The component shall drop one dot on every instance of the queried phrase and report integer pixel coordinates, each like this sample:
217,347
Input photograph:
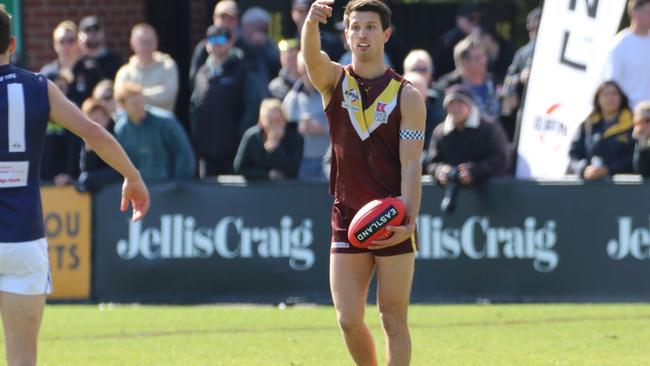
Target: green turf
264,335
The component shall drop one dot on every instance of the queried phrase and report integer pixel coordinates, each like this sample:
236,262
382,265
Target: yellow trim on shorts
415,248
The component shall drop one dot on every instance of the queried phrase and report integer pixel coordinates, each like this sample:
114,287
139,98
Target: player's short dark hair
376,6
5,29
633,5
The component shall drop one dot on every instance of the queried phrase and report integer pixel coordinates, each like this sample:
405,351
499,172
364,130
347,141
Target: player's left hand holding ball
400,234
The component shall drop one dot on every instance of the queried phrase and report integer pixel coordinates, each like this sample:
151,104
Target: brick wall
41,16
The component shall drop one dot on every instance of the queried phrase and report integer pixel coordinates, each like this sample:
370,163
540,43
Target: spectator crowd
254,112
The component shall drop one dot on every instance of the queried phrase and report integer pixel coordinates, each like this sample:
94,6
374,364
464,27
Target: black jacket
254,162
95,172
483,145
224,103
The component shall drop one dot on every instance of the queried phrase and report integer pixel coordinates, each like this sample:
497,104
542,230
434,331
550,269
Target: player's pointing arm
321,70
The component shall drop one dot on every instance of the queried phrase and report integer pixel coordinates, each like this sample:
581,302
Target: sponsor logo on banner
552,127
477,239
178,237
631,242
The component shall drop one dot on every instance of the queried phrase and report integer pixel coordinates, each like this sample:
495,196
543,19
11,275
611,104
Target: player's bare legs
349,280
394,278
21,315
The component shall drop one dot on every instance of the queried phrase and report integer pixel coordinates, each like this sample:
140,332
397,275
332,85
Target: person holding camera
465,148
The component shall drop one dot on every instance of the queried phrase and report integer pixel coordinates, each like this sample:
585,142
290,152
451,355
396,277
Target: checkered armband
411,135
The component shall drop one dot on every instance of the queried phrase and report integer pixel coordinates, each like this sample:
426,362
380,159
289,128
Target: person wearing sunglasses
82,71
66,46
226,14
641,134
93,45
224,103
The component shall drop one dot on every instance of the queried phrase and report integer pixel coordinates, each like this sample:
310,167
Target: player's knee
350,322
394,322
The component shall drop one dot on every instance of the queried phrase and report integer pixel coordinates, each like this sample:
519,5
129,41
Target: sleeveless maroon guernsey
365,161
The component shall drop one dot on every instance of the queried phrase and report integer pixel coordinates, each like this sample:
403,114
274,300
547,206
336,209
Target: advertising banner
66,213
203,242
507,241
570,54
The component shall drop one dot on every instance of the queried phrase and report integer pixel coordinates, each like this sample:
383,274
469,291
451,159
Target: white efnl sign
570,54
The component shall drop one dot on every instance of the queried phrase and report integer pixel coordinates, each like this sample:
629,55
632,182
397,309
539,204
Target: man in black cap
91,37
478,149
224,103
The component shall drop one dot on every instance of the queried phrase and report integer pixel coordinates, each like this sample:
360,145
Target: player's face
365,36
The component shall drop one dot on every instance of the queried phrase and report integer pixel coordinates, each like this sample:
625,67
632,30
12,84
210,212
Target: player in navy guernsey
27,102
376,122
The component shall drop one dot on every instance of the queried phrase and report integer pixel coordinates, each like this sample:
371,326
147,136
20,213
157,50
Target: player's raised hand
135,192
320,11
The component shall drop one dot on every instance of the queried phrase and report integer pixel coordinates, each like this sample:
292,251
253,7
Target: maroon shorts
341,219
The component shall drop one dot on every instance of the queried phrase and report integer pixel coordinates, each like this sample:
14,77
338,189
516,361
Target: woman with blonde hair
271,149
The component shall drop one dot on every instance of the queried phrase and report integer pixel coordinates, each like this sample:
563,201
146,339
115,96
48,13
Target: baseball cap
458,92
227,7
89,22
218,35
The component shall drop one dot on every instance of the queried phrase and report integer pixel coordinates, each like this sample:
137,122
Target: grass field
307,335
